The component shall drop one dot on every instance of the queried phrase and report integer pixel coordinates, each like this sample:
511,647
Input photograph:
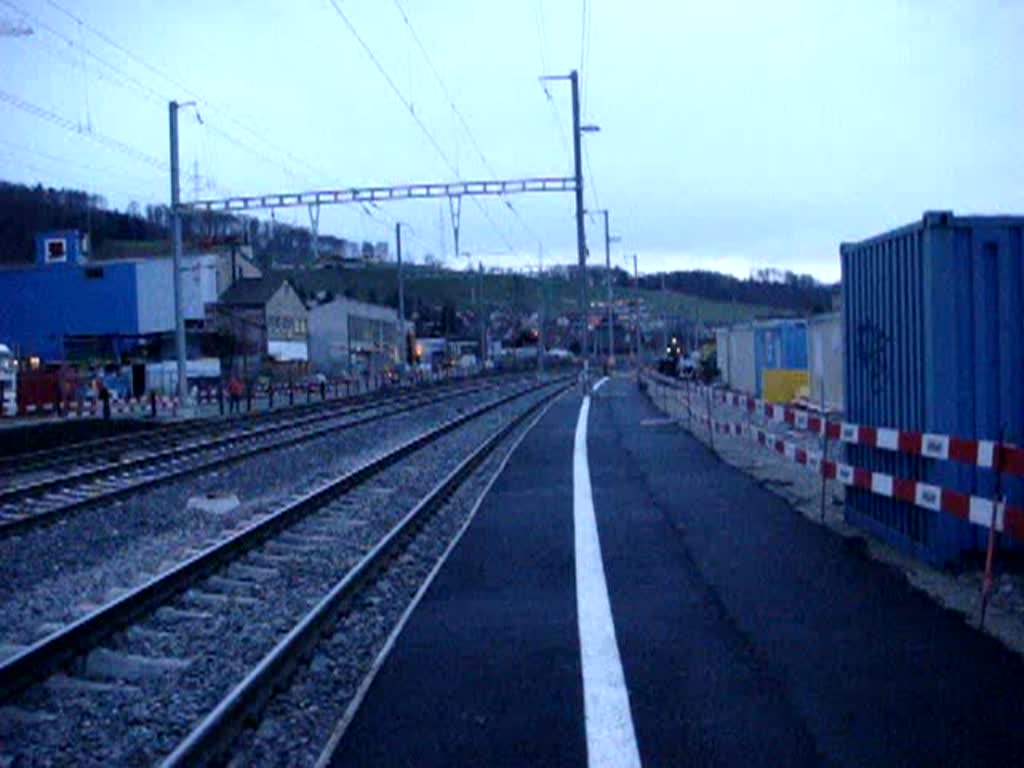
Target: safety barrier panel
974,509
981,453
80,409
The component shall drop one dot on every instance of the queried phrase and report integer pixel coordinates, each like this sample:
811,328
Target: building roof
252,291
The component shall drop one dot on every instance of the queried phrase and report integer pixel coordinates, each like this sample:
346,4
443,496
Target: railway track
175,668
36,465
42,501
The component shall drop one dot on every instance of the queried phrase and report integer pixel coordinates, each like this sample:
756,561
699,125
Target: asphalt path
746,632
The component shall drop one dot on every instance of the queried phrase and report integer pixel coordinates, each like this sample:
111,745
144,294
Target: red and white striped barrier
88,409
1006,457
973,509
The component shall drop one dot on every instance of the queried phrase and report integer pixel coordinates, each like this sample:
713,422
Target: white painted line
600,383
611,740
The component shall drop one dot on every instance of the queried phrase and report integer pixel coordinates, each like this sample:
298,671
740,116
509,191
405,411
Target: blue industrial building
62,296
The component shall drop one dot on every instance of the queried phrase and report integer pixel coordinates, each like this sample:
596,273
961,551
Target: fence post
152,403
711,422
248,398
689,406
824,448
998,502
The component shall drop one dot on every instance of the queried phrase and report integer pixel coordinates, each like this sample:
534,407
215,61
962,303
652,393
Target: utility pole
401,280
483,320
608,290
664,317
179,316
581,236
543,308
636,316
403,345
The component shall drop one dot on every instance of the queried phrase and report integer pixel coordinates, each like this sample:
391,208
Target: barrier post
999,502
152,403
711,424
3,400
248,398
689,406
270,397
824,448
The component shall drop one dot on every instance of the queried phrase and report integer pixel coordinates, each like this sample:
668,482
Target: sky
733,136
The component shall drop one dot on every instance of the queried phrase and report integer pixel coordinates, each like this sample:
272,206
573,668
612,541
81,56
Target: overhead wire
69,125
129,80
460,117
72,162
588,13
184,89
555,114
412,112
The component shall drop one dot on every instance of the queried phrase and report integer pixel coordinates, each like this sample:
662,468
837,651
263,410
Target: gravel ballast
162,675
53,575
300,721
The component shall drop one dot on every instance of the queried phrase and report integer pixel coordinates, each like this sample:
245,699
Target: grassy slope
522,291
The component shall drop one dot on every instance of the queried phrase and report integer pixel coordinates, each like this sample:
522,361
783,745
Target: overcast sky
733,135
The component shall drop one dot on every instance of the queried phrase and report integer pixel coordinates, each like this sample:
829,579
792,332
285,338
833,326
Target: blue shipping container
932,325
779,344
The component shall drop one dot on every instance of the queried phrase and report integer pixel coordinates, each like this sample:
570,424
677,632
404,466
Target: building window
55,250
94,273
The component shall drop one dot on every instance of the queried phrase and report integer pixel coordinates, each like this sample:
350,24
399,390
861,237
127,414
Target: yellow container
780,385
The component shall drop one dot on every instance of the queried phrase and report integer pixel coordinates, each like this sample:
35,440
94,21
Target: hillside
434,288
711,296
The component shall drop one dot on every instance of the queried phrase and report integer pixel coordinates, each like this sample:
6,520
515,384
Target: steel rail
215,734
39,460
15,525
13,493
77,638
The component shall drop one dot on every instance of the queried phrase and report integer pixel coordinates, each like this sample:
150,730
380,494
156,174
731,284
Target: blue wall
39,305
932,319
